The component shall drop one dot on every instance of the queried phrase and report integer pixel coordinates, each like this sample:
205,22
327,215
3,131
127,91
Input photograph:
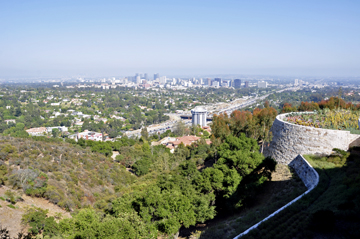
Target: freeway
252,101
171,124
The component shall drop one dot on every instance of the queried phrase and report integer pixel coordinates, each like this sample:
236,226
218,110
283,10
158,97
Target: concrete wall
308,175
289,140
304,170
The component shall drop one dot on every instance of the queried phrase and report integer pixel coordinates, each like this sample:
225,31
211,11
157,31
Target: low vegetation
327,119
71,177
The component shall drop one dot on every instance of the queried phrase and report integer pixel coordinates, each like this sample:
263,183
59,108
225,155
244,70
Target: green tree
90,224
141,167
55,132
38,221
144,133
3,172
180,128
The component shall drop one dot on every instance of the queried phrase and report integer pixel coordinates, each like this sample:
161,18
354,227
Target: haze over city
93,38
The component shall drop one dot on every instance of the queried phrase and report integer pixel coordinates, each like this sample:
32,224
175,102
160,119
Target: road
249,102
171,124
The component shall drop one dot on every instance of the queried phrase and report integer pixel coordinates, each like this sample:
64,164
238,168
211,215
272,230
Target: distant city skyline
95,38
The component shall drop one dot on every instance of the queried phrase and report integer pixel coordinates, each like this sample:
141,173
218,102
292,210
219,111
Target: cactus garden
340,119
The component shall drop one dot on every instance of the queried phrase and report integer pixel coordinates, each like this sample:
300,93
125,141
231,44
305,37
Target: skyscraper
237,83
156,76
246,84
262,84
146,76
218,80
225,83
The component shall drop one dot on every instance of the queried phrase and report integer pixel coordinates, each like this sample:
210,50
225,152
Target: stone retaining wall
308,175
289,140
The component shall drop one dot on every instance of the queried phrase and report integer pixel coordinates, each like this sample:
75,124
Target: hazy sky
64,38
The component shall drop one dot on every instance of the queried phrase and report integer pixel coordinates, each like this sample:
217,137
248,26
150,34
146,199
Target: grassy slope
331,210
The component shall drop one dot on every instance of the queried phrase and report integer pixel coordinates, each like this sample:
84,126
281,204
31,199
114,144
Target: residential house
90,135
37,131
10,121
60,128
186,140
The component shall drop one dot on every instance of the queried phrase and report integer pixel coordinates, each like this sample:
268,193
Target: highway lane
171,124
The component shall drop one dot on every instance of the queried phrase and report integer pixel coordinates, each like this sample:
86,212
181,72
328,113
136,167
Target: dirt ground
11,218
115,153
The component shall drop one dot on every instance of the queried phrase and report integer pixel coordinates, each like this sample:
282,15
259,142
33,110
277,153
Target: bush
38,221
11,197
3,172
141,167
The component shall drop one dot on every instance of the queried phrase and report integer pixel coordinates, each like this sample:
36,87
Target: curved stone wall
290,140
308,175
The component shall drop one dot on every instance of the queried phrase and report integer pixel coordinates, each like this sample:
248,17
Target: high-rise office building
209,81
262,84
215,84
218,80
246,84
131,78
225,83
162,80
237,83
146,76
156,76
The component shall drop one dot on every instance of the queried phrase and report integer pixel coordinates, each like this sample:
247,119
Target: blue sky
65,38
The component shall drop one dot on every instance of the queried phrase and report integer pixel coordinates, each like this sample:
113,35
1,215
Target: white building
296,83
90,135
199,115
60,128
262,84
162,80
215,84
10,121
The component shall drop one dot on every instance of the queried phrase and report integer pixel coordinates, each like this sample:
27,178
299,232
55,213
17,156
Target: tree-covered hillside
168,191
